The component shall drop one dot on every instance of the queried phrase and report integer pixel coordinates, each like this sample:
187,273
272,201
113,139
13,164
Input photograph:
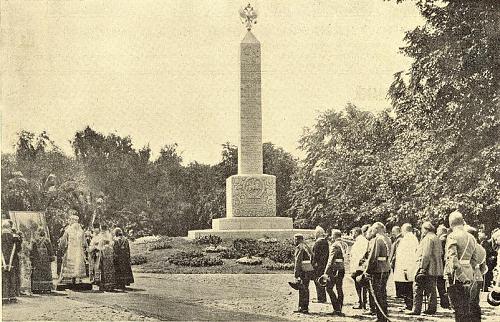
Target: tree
447,110
343,181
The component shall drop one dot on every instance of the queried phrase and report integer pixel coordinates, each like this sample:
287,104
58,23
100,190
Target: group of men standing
449,261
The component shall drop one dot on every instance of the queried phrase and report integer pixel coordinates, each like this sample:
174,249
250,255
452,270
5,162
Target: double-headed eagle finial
248,16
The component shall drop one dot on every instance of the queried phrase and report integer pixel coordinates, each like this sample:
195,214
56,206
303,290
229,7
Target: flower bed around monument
157,260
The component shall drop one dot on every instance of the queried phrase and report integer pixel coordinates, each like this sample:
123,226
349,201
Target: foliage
280,252
246,246
138,259
161,244
194,258
208,240
278,266
437,150
231,253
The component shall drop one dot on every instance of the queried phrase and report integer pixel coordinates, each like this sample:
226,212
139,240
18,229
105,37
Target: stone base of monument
251,227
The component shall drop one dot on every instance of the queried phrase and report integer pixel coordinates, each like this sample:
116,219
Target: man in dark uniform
444,301
335,271
303,272
461,258
491,260
320,258
429,266
378,269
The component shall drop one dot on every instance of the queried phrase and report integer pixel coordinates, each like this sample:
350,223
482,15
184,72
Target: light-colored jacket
405,264
461,256
358,251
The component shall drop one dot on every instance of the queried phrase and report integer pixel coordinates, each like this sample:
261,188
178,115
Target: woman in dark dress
123,269
107,266
41,258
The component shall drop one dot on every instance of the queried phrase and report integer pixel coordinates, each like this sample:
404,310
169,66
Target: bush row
277,251
194,259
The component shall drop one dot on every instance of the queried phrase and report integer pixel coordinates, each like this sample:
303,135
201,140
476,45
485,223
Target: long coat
404,262
123,270
358,251
320,256
430,254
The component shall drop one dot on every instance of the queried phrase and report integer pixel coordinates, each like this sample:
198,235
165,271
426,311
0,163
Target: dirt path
227,297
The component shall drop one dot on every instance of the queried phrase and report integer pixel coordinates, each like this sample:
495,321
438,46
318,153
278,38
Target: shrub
281,252
230,253
278,266
138,259
215,249
162,244
246,246
208,240
194,259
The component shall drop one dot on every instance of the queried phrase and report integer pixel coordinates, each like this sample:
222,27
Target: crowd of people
98,256
454,264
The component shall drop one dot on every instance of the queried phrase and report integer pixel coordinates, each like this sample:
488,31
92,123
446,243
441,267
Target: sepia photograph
222,160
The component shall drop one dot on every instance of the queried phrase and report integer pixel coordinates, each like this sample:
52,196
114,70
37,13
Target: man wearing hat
303,271
335,270
461,258
429,267
320,258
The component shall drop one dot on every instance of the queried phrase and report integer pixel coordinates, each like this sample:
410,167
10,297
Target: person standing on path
358,251
320,258
405,265
303,271
123,270
429,267
378,269
335,270
444,301
10,249
461,257
41,257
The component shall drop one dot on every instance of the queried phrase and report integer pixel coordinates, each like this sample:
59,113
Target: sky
165,71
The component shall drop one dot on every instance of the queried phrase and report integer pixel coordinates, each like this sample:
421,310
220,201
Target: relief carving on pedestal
254,197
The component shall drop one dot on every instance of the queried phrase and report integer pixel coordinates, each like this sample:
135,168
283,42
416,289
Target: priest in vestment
73,245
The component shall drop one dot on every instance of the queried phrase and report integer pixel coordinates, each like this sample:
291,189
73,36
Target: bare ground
229,297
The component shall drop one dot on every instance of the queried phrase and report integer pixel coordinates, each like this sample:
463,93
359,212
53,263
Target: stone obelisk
250,195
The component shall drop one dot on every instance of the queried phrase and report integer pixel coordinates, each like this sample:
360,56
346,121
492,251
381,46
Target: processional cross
248,16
